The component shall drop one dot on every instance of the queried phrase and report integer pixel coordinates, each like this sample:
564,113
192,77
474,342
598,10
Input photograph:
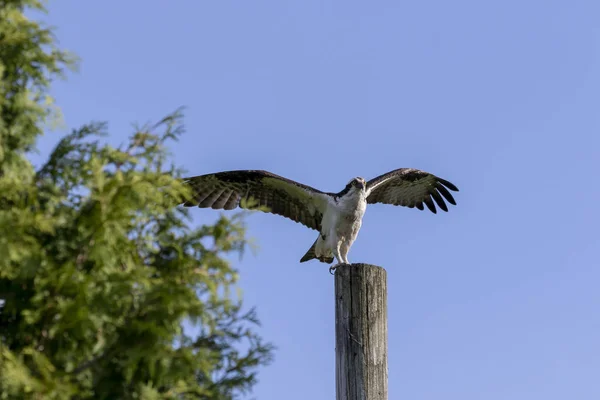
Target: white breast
344,217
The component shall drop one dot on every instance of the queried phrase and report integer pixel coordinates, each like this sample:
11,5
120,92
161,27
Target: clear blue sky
497,299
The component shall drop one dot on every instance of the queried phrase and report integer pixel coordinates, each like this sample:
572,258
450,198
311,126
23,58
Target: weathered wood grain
361,366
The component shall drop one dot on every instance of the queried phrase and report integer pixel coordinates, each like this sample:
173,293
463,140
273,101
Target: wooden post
361,367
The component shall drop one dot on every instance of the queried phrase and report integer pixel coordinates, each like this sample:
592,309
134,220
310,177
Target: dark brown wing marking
411,187
282,196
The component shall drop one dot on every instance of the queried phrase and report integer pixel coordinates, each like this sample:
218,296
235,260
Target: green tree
98,267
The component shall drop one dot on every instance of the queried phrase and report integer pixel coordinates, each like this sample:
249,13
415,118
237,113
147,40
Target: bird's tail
310,254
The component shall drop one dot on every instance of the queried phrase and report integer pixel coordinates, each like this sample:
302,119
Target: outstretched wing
281,196
410,187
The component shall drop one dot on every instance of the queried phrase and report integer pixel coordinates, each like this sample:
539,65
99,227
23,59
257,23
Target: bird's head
358,184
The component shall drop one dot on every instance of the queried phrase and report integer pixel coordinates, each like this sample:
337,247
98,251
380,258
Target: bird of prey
336,216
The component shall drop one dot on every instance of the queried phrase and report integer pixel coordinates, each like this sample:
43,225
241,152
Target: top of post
355,268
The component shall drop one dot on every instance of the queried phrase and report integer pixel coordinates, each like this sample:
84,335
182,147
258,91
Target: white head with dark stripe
356,185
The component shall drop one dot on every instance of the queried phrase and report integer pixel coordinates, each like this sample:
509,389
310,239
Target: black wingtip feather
448,184
438,199
446,194
430,205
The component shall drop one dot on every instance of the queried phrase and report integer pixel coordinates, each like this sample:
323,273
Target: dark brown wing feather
281,196
411,187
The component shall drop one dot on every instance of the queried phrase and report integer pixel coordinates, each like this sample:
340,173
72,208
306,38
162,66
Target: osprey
336,216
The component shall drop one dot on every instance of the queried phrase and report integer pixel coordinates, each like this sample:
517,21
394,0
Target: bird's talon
334,267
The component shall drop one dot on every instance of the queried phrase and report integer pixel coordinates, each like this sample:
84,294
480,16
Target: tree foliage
99,269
